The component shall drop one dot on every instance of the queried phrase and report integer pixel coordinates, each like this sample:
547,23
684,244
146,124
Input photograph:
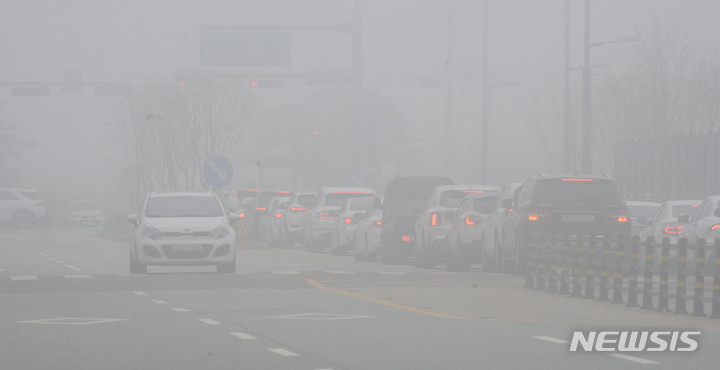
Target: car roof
642,203
182,194
683,202
82,201
468,187
570,176
348,189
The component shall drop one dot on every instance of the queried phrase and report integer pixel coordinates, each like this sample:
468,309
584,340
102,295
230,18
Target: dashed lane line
158,301
283,352
632,358
77,276
243,336
71,267
139,293
16,278
287,272
210,321
178,309
391,272
341,272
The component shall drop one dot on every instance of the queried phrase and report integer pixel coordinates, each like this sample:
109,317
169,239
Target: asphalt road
67,301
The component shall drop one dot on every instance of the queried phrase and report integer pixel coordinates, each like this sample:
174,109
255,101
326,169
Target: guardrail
581,265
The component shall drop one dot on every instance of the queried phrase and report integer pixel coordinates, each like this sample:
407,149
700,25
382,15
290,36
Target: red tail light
473,191
434,220
348,221
278,215
298,209
537,215
406,238
377,224
325,216
472,220
242,214
618,216
260,208
673,230
283,192
714,227
577,179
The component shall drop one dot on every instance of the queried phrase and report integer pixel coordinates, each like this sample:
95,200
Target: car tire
371,257
388,257
519,258
136,267
462,256
452,260
22,219
488,261
428,259
227,268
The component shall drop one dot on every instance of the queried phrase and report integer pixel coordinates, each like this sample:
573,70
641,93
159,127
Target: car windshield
338,199
680,210
84,206
571,192
183,206
453,198
646,211
307,200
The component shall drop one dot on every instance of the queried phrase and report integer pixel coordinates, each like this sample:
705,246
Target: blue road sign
357,178
217,171
245,49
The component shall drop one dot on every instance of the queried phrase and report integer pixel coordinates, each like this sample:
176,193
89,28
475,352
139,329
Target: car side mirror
642,221
377,203
506,203
358,215
684,219
133,218
234,217
717,212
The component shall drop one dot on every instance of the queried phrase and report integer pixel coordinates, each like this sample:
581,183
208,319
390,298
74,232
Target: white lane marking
76,276
210,321
391,273
71,267
139,293
444,273
158,301
632,358
286,272
23,277
341,272
243,336
283,352
181,309
550,339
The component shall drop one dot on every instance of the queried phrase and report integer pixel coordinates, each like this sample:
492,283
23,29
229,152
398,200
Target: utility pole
485,103
569,152
356,89
587,96
449,129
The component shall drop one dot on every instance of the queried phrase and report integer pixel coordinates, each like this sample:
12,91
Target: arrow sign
217,171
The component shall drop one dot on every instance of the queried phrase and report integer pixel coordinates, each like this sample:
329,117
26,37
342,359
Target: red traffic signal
267,83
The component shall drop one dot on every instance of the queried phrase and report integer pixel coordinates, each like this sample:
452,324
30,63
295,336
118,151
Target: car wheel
428,259
519,258
488,260
227,268
462,256
136,267
371,257
452,260
22,219
388,257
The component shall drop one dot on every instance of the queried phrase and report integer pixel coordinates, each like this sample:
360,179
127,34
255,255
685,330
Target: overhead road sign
245,49
217,171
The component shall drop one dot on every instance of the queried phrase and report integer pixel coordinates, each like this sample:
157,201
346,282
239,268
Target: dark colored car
562,204
404,200
261,206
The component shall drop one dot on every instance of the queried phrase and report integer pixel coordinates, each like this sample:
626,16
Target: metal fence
645,274
684,167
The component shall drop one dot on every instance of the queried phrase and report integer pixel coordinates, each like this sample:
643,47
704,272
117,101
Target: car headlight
152,232
220,232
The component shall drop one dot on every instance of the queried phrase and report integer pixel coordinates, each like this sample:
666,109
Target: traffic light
267,83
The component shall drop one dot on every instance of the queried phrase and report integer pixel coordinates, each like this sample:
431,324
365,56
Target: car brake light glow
242,214
351,192
694,205
715,227
577,179
260,208
406,238
434,219
278,215
622,219
673,230
348,221
377,224
618,216
298,209
537,214
283,192
473,191
472,220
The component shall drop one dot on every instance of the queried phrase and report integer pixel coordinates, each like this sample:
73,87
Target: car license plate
187,248
578,218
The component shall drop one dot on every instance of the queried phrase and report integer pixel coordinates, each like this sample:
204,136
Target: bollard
664,265
618,275
577,268
541,266
566,258
632,272
590,271
552,284
604,255
699,291
680,308
530,266
715,313
647,286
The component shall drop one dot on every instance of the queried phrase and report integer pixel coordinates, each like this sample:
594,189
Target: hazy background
71,154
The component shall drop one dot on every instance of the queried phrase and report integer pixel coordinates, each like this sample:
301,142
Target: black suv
561,204
403,202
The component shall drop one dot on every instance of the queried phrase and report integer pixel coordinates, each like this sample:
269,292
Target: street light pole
587,98
569,152
484,117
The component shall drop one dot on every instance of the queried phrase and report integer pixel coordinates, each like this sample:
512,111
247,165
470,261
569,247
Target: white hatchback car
182,229
21,207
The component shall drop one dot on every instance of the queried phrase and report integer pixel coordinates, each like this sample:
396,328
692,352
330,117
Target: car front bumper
209,251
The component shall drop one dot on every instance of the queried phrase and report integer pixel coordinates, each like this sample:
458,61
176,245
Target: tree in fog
10,149
166,131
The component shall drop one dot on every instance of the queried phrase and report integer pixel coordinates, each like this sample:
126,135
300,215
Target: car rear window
30,195
687,209
360,204
453,198
576,192
183,206
307,200
338,199
84,206
485,204
642,211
